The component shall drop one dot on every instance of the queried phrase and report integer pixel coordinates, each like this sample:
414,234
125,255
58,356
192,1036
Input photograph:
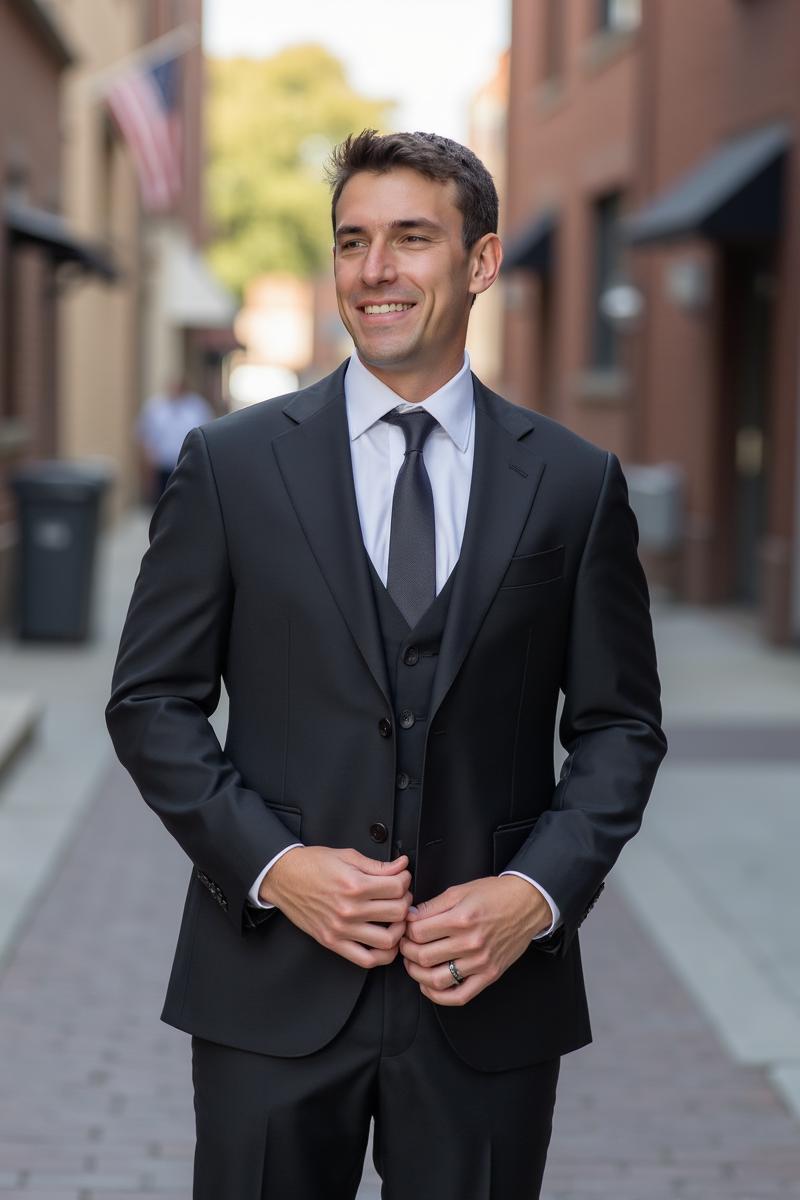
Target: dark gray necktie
412,544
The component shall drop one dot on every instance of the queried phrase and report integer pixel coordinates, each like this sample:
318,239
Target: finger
365,956
376,866
387,910
382,887
457,996
381,937
431,954
450,923
440,978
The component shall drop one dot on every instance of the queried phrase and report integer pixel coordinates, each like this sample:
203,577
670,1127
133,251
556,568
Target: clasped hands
362,909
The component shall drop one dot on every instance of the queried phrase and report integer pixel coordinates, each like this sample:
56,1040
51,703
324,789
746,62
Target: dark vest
411,656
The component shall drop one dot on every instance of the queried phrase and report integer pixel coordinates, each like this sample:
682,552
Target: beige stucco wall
99,322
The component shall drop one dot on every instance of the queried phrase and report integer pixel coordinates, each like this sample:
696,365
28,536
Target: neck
416,386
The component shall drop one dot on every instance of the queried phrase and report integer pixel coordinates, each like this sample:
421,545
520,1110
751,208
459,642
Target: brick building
652,145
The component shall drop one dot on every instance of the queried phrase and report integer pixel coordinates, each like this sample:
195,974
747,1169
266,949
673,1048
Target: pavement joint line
667,907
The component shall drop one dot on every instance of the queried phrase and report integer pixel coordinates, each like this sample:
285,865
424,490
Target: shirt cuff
554,909
253,895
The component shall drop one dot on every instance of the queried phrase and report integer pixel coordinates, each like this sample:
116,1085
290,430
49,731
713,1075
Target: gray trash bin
58,506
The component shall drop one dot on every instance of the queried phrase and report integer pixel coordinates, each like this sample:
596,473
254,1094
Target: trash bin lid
62,479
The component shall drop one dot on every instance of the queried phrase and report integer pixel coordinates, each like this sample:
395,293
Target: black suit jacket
257,574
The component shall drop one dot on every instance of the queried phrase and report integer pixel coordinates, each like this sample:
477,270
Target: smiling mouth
374,310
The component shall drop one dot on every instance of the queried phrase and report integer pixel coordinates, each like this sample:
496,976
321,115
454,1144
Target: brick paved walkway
95,1095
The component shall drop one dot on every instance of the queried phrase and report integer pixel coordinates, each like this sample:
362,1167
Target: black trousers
297,1128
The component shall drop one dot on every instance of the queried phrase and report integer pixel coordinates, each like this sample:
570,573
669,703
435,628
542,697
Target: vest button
407,718
411,656
385,727
403,781
378,832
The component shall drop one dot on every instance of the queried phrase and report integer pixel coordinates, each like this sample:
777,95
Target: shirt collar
368,399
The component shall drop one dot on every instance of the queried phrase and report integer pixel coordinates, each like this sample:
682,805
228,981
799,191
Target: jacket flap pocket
527,569
507,841
291,817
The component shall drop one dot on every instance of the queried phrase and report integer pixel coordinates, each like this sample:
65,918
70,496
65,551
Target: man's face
398,242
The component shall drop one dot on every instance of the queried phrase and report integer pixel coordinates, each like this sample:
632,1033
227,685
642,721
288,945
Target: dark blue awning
50,231
531,248
734,195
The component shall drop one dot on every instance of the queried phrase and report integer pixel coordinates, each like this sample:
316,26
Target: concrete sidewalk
712,874
53,731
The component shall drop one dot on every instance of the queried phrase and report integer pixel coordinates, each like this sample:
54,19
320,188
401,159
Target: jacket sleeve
610,723
166,684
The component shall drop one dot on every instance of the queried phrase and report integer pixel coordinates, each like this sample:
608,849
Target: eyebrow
405,223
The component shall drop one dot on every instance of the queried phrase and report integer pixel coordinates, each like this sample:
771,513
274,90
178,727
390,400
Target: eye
416,237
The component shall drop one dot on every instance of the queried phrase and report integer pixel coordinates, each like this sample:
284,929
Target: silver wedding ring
454,971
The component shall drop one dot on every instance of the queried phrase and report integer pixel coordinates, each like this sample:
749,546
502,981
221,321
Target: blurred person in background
396,571
162,425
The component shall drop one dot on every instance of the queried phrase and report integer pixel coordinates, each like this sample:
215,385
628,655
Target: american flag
145,102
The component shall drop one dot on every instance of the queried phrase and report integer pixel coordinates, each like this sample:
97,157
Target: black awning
50,231
531,249
734,195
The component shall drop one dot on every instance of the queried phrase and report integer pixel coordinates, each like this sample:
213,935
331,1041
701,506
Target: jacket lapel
315,463
505,479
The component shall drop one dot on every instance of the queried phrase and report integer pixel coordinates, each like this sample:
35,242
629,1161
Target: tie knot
416,424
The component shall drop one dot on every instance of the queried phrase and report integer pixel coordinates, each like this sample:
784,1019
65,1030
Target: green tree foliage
271,125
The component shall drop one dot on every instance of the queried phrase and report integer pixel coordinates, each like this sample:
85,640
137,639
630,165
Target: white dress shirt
377,449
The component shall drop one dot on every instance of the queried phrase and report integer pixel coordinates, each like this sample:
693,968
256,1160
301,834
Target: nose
377,266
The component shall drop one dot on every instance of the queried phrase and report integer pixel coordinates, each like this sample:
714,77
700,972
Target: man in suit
395,572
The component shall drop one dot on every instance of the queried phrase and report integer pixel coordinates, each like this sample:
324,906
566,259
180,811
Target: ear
485,259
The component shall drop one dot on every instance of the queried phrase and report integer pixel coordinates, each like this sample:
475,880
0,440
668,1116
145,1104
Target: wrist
271,890
536,912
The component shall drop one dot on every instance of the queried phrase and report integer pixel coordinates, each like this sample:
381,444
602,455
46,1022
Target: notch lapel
316,465
505,479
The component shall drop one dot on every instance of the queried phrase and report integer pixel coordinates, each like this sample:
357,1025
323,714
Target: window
603,346
619,16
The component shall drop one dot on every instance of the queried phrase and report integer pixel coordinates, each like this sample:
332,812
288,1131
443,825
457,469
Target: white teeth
386,308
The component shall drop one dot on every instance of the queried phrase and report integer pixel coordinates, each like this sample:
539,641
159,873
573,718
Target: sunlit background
165,258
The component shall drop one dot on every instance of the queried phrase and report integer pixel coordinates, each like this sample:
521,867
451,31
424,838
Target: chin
384,356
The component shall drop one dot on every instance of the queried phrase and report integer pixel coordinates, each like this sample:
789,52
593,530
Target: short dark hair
431,155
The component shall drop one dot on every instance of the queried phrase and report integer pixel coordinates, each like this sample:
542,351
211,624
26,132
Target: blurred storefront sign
192,297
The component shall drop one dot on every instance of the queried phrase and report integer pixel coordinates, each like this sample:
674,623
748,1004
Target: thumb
431,908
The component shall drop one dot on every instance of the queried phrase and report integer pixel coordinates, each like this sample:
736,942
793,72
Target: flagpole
153,54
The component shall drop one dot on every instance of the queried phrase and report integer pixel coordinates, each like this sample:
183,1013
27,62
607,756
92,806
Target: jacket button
378,832
407,718
403,781
385,727
411,656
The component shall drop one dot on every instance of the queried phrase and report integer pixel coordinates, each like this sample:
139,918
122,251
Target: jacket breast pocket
291,817
525,570
507,840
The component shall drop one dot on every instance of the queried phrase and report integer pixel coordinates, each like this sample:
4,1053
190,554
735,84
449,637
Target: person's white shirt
377,450
164,422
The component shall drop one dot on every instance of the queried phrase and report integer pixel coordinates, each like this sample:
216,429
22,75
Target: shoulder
268,419
543,435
